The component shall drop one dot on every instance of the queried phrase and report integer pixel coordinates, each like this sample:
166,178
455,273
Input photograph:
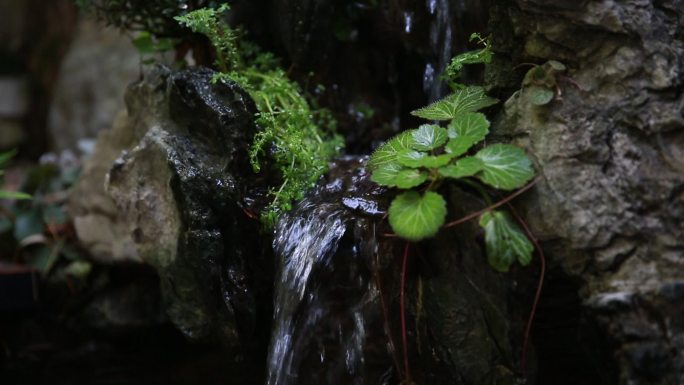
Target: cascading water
446,15
441,32
328,324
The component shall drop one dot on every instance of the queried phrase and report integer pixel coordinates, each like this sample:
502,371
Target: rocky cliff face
609,150
607,208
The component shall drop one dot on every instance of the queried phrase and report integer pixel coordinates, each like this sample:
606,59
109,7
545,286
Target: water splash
428,77
302,243
408,22
326,311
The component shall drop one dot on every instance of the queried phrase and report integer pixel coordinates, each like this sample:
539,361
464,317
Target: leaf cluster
38,232
294,132
540,82
5,157
419,160
479,56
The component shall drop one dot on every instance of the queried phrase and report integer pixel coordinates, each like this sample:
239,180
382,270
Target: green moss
299,137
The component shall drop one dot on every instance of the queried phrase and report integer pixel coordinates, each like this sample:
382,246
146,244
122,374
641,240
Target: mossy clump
299,136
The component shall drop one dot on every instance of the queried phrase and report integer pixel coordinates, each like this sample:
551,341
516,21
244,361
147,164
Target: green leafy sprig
5,157
300,138
479,56
419,160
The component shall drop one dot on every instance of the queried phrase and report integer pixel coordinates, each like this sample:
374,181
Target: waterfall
441,33
326,311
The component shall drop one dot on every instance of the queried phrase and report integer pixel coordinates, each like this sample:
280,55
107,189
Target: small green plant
299,137
5,157
479,56
148,45
541,82
419,160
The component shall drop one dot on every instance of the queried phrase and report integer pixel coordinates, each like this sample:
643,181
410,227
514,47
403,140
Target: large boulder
180,189
608,148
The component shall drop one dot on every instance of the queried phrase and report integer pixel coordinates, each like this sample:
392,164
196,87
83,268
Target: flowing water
441,34
328,327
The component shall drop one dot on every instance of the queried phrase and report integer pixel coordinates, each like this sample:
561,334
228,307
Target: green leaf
505,166
436,161
28,223
411,158
387,153
466,130
454,68
467,99
457,147
410,178
143,43
386,174
415,159
13,195
471,125
6,156
505,243
540,96
467,166
428,137
415,217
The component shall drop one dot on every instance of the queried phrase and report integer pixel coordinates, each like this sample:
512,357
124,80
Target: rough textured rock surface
609,149
469,324
180,191
99,227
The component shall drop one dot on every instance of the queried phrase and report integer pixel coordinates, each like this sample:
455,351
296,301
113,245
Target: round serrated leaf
415,217
457,147
505,243
410,158
467,166
473,125
428,137
410,178
466,99
435,161
505,166
388,152
540,96
386,175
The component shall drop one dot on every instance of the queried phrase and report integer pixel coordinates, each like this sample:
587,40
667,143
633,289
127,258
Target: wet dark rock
181,191
469,325
610,199
328,322
127,308
337,310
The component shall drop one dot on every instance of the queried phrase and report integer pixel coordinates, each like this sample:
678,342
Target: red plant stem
492,207
385,314
404,339
540,284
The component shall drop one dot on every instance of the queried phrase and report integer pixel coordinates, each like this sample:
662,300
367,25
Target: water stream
328,327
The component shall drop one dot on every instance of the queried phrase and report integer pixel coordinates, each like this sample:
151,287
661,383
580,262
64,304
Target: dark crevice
569,348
